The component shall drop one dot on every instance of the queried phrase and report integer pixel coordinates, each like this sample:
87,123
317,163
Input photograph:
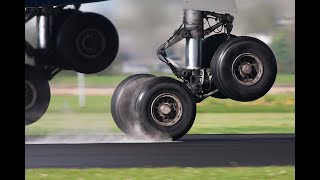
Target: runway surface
189,151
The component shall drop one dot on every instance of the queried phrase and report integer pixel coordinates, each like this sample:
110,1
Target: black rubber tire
209,47
159,86
103,42
222,63
57,22
121,101
35,84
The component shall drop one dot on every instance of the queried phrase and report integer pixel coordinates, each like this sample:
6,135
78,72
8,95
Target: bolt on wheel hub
166,109
247,69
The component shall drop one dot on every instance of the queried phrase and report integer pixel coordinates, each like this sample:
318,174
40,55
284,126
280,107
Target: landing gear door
218,6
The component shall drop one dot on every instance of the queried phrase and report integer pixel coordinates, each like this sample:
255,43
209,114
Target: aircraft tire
59,19
87,42
243,68
209,47
165,107
37,95
121,101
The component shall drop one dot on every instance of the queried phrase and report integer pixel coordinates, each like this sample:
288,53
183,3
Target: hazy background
143,25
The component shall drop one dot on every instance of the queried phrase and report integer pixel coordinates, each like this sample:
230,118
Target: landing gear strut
221,66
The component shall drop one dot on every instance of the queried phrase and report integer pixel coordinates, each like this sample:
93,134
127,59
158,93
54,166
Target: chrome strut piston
43,30
193,19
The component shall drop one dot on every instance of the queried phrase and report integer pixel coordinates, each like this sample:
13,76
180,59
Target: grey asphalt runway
189,151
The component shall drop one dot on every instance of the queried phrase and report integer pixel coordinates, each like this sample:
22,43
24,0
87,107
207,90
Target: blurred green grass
90,80
93,80
170,173
71,123
101,104
273,113
285,79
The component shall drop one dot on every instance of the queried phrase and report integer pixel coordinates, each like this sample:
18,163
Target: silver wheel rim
30,94
166,109
88,38
247,69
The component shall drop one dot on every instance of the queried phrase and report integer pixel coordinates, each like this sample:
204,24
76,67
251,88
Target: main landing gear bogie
218,66
67,39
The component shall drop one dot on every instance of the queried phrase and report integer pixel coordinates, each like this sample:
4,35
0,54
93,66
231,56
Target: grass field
90,80
113,80
70,123
101,104
270,114
285,79
171,173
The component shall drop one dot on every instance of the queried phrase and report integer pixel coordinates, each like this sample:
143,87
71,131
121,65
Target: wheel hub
166,109
247,69
30,94
90,43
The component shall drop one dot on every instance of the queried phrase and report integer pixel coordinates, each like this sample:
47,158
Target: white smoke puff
156,135
82,139
74,137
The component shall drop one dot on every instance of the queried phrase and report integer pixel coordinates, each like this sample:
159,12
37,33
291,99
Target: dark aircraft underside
41,3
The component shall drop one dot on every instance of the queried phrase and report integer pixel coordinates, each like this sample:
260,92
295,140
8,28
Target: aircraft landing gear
67,39
72,40
220,66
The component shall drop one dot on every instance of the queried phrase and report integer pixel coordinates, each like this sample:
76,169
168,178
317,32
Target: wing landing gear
67,39
218,66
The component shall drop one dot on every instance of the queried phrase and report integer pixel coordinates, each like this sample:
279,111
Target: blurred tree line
284,52
276,19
